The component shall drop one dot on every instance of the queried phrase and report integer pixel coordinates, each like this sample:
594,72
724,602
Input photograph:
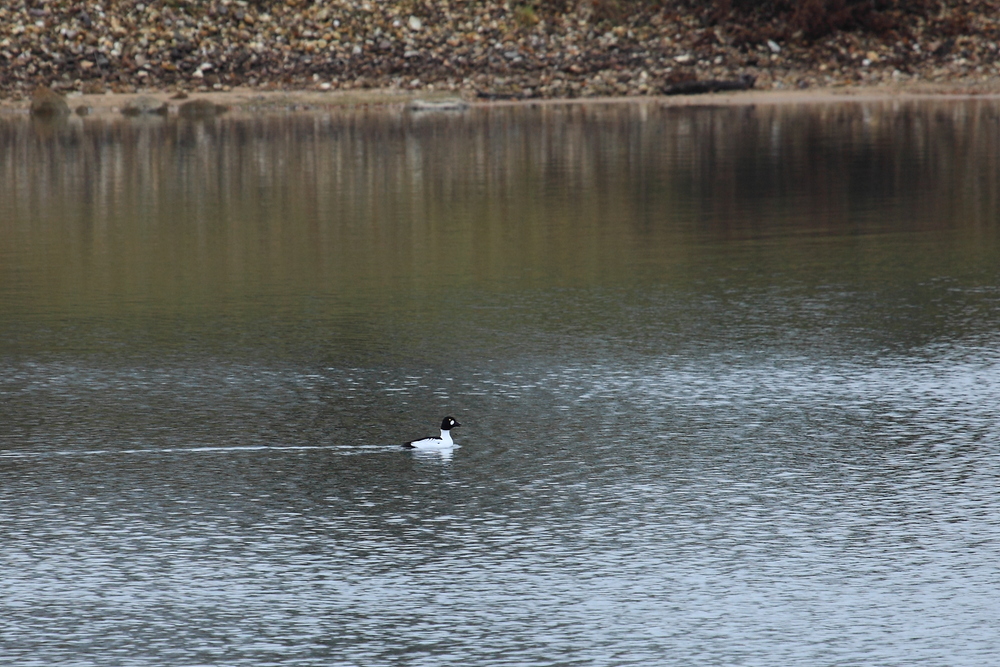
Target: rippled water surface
729,381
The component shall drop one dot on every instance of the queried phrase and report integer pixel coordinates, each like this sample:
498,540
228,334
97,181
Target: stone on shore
451,104
46,102
144,105
200,109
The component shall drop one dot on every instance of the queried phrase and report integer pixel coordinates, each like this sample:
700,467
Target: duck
444,442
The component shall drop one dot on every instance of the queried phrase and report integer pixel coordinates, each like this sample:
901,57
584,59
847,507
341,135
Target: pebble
491,48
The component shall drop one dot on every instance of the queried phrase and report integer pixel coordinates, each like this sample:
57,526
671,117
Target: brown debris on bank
48,104
495,50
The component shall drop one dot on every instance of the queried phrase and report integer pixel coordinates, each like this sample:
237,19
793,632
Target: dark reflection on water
728,379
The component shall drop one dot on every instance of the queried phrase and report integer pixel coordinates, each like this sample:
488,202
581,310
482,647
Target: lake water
729,381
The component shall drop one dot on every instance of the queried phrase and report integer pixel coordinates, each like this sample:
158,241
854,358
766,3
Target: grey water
729,380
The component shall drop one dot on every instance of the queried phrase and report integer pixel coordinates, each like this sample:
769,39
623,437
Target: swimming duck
444,442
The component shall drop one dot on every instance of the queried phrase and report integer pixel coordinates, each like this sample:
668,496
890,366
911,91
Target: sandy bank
248,101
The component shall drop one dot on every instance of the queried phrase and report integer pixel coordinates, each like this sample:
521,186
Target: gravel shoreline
483,50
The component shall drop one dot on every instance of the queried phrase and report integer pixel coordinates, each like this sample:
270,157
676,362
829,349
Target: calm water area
729,380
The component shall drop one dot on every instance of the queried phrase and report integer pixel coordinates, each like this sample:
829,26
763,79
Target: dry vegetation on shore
488,48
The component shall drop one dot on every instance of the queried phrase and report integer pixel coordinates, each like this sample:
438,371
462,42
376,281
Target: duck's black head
449,423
